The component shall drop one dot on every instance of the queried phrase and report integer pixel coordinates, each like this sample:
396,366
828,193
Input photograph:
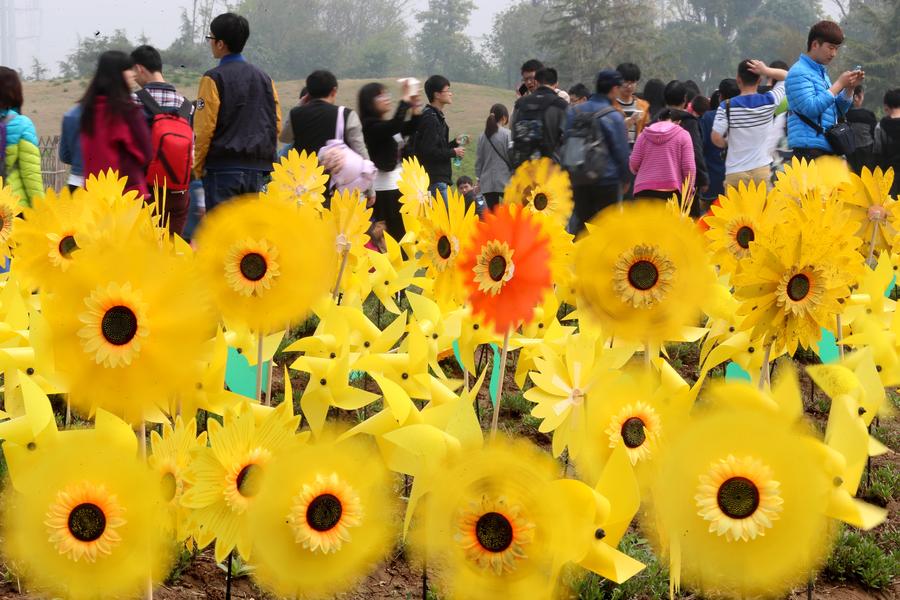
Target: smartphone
412,83
857,68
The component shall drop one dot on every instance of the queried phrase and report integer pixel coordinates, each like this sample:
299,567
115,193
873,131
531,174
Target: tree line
701,40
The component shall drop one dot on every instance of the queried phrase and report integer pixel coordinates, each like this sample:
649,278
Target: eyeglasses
212,38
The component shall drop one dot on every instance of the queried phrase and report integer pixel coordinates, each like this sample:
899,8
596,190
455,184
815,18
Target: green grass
885,485
858,557
652,582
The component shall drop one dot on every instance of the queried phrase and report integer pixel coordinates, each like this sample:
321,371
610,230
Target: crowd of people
615,142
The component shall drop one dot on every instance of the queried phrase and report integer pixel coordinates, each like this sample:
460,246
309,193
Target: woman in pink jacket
662,159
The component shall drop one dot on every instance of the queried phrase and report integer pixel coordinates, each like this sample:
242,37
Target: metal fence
53,171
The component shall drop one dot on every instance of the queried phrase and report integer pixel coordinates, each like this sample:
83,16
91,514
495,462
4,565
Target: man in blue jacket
811,94
592,198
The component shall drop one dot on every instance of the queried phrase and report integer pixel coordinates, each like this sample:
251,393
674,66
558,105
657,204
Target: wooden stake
496,419
259,370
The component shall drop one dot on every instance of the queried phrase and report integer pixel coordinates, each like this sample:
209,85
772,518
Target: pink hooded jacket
663,158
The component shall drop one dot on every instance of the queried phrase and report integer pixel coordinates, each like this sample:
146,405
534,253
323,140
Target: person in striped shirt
743,124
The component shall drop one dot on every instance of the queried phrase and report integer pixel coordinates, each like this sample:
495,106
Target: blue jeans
195,213
220,185
439,186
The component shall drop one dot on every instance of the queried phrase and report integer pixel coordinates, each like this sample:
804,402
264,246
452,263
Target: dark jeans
439,186
176,211
387,209
810,153
220,185
492,199
589,200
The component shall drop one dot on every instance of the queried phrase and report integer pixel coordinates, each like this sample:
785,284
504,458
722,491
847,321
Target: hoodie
887,148
119,142
663,158
691,124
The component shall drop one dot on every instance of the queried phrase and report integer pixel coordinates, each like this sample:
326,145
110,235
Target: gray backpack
585,153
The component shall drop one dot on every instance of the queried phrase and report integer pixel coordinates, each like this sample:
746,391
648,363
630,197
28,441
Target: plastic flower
414,195
642,272
300,178
128,327
736,220
108,186
867,196
350,219
496,524
9,209
47,236
261,273
745,482
326,514
821,176
170,455
542,187
82,521
444,229
790,286
505,267
225,477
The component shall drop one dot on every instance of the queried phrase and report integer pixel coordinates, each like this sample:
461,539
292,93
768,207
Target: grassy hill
46,101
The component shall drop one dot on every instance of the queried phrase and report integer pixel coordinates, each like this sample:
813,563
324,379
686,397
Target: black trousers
591,199
387,209
810,153
492,199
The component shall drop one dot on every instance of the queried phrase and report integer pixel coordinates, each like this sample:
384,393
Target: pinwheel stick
871,258
764,379
840,336
142,442
647,359
259,370
345,255
496,419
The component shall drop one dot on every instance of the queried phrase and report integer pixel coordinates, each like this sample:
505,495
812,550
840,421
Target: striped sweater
663,158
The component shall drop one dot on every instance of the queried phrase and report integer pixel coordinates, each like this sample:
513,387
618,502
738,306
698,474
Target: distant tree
697,51
514,38
38,70
582,36
872,42
442,45
83,60
777,30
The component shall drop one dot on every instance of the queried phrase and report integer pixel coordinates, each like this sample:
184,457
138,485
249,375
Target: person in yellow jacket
237,119
22,157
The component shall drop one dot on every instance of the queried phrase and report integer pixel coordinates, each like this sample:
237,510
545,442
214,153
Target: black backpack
530,139
585,153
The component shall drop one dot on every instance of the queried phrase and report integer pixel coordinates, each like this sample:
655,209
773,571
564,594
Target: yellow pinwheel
299,177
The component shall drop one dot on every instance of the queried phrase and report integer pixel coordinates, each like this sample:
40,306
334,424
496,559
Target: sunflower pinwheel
496,524
350,218
224,478
444,229
260,273
298,178
743,482
792,284
326,514
9,209
505,267
82,521
414,195
47,236
170,455
128,327
109,187
867,197
542,187
642,272
822,176
736,220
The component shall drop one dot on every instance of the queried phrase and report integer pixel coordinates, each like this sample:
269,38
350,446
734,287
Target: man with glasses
433,145
635,110
529,82
237,118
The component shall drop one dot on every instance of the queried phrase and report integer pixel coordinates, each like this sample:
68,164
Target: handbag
839,136
356,173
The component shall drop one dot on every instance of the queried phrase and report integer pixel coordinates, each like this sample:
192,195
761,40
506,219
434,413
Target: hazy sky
52,27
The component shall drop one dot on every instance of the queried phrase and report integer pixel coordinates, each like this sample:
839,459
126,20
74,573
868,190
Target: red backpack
172,138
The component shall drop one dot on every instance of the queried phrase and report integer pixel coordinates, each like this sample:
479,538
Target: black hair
108,81
532,65
11,95
366,101
892,98
728,88
579,90
497,114
434,85
464,179
319,84
546,76
148,57
231,29
303,92
859,90
825,32
715,100
629,71
780,64
693,90
676,93
654,94
747,76
700,104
